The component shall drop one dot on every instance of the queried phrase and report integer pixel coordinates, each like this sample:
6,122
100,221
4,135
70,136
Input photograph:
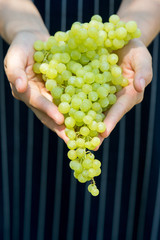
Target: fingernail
19,84
142,84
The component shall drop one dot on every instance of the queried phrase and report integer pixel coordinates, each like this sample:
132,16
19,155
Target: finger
33,98
124,103
142,65
15,64
48,122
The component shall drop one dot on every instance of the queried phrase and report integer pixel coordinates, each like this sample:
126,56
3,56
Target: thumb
143,71
15,64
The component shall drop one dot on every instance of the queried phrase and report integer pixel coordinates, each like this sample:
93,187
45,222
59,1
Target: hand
136,64
29,87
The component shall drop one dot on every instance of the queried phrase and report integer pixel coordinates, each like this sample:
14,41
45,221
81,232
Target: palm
135,61
35,95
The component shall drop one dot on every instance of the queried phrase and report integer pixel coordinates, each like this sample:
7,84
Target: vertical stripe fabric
16,157
5,211
147,167
44,165
134,175
39,196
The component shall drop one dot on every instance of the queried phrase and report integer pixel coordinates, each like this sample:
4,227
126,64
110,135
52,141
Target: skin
134,59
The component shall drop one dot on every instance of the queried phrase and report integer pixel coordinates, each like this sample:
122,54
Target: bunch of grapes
80,71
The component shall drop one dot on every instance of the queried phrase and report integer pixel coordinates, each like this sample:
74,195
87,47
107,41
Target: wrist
146,14
20,16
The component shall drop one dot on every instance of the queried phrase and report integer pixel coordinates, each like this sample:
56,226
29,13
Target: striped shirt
39,197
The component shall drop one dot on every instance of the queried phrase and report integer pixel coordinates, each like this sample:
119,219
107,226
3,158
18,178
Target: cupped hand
136,64
29,87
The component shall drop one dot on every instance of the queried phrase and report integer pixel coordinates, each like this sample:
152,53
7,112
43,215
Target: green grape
95,63
112,58
70,122
101,127
131,26
36,68
102,51
99,78
85,173
92,114
72,44
38,45
51,73
96,164
75,165
86,105
80,152
95,86
72,155
57,92
80,72
95,192
108,43
136,34
70,90
76,103
87,119
121,33
78,116
38,56
88,145
50,84
80,142
91,54
79,82
99,118
92,32
97,18
93,125
66,75
60,36
116,71
112,98
87,163
89,77
102,92
93,96
60,67
71,144
43,68
81,178
64,97
50,42
82,95
104,102
53,63
75,55
112,89
114,19
84,59
71,134
96,107
91,172
64,107
95,141
84,131
98,172
104,66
